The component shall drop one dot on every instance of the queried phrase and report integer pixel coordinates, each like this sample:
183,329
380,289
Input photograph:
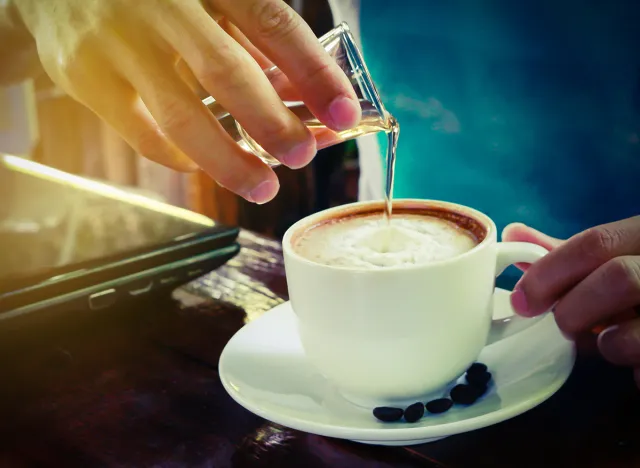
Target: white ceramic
394,335
264,369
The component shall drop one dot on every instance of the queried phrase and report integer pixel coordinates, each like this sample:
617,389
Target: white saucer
263,367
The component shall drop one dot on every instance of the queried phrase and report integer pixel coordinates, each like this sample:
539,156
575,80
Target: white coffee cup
392,336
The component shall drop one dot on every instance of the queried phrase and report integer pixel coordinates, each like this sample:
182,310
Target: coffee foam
370,242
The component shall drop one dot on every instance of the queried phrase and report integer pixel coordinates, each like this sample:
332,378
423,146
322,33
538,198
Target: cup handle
508,254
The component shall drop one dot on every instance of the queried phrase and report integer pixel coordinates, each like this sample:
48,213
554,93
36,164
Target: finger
568,264
284,37
117,103
280,82
286,91
609,290
237,82
278,79
283,86
189,78
620,344
246,44
186,121
617,319
135,124
518,232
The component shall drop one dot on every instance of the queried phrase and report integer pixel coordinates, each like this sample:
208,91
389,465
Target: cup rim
343,210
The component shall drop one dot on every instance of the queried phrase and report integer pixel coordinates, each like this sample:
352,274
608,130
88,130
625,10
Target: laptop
72,243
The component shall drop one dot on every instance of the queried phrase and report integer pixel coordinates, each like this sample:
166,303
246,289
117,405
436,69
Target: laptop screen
52,222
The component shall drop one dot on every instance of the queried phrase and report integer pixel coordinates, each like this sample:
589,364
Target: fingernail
513,225
264,192
519,302
508,228
345,113
607,343
300,155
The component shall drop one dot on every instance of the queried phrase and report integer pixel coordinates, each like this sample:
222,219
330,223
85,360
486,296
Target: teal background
528,111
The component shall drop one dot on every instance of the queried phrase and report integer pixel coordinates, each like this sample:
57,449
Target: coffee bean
479,379
441,405
464,394
477,368
480,389
387,414
414,412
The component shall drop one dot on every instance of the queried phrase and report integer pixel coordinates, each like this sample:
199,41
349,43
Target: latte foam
370,242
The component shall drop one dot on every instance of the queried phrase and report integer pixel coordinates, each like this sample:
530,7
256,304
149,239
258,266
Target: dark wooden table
139,388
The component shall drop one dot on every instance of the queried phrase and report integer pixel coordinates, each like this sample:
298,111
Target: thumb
518,232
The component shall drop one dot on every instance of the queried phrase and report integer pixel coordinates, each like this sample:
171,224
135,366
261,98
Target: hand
119,57
591,279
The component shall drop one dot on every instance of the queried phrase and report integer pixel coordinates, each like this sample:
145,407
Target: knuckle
319,72
234,82
624,274
70,61
274,18
278,130
174,117
600,242
148,142
275,134
232,77
208,71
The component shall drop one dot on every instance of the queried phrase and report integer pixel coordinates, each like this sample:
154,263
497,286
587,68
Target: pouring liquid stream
392,145
393,133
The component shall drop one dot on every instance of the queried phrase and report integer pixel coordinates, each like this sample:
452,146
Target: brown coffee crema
477,230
